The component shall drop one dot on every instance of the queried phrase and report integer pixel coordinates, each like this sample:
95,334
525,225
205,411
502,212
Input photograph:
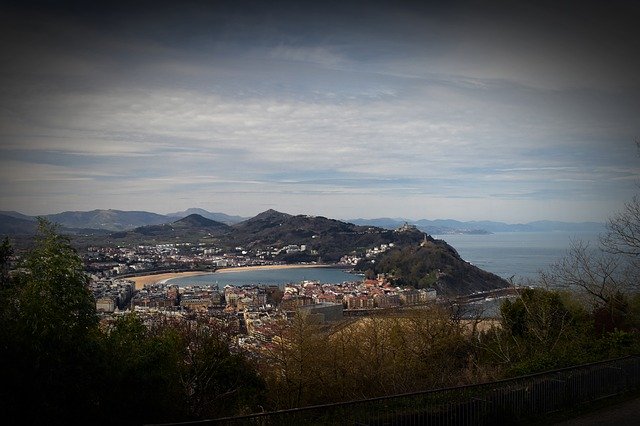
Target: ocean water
519,254
278,277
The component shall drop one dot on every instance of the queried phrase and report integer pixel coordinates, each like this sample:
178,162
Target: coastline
267,267
143,280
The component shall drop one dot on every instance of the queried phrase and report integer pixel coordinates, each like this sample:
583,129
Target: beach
141,281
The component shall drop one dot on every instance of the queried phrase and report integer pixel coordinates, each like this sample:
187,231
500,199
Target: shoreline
267,267
143,280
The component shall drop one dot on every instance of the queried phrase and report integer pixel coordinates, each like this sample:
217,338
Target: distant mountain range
111,220
18,225
449,226
15,223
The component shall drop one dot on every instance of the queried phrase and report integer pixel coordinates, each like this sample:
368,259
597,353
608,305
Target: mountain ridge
120,220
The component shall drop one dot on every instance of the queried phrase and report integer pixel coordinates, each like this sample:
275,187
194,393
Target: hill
218,217
17,215
10,225
113,220
193,228
325,239
433,264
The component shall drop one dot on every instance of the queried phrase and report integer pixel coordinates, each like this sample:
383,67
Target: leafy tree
53,299
48,335
6,251
540,330
176,370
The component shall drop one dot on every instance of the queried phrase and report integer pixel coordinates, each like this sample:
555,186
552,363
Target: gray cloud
468,111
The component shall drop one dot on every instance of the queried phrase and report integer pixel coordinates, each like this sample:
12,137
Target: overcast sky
474,110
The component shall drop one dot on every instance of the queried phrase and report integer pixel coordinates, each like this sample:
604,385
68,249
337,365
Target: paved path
622,414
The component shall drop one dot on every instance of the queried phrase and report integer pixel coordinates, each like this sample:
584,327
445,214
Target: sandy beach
153,279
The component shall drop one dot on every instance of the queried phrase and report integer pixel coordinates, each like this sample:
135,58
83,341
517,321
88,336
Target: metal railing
504,401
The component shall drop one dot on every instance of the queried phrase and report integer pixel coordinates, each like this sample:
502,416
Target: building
323,312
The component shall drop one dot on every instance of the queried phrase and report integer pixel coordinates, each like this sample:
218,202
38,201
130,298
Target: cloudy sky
473,110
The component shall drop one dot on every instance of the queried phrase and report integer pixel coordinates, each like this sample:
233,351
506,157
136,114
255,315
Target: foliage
6,251
543,330
63,368
49,334
367,357
433,264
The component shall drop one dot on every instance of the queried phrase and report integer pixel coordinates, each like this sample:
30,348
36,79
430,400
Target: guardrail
504,401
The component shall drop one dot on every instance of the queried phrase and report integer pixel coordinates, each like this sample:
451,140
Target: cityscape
319,213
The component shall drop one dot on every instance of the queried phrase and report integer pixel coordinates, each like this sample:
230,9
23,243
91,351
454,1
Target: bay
521,255
278,277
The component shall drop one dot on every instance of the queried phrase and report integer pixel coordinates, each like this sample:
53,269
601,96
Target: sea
519,256
278,277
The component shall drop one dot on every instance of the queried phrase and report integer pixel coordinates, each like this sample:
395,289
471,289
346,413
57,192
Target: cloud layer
422,112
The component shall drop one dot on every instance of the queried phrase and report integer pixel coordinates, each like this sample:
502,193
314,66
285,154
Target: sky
470,110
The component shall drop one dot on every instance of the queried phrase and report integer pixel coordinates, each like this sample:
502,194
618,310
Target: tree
48,335
6,251
540,330
623,232
600,275
54,299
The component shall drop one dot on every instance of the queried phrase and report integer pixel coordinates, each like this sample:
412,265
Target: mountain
17,215
193,228
324,239
113,220
22,231
433,264
266,220
194,221
218,217
10,225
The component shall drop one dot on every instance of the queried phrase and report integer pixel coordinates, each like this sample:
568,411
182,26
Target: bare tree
597,273
623,232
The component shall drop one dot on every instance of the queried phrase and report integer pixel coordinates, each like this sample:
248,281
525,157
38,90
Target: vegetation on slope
432,264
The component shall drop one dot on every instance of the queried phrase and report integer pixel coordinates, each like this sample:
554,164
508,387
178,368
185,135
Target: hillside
328,239
417,259
113,220
192,228
218,217
433,264
11,225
